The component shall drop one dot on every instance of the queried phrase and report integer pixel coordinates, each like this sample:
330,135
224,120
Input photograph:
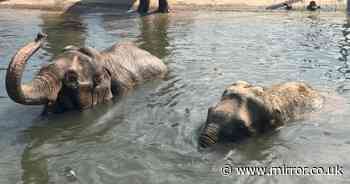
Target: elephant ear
95,56
261,114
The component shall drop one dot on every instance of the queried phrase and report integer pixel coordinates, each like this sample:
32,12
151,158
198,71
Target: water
151,135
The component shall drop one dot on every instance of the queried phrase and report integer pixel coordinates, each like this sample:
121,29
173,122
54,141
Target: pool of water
151,135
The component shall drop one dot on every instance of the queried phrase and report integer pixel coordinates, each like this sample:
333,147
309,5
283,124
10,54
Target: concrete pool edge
46,5
62,6
53,5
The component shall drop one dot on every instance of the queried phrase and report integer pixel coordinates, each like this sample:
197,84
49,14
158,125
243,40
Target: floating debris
70,174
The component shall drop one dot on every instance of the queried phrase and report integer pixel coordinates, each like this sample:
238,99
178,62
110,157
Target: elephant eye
97,79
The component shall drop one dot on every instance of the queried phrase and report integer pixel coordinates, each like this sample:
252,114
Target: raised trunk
143,6
41,89
163,6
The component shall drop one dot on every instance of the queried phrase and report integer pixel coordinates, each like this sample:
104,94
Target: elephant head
235,116
75,79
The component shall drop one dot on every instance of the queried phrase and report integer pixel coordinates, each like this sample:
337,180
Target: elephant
247,110
80,78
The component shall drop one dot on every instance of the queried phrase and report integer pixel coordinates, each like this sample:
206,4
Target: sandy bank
62,5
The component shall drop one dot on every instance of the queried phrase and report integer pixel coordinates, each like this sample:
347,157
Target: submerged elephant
246,110
80,78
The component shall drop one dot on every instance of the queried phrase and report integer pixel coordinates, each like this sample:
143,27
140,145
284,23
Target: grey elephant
246,110
80,78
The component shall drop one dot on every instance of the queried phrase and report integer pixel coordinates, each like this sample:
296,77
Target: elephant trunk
209,135
37,92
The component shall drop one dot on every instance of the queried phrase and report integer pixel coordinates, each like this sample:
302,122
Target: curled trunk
209,135
42,89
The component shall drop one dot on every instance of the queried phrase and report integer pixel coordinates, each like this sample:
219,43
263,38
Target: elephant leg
163,6
143,6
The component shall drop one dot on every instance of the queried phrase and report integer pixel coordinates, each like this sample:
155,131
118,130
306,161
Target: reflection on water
154,36
151,135
63,30
46,137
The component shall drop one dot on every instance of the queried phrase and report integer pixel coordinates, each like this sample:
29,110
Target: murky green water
151,136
